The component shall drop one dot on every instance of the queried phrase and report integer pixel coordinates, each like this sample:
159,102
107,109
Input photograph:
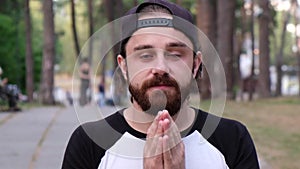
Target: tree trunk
238,50
264,48
103,61
206,16
114,10
225,21
47,82
29,57
118,12
179,2
109,12
74,30
251,84
295,6
298,56
279,56
91,30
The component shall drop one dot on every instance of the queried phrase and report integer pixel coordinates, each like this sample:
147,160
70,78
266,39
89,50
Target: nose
161,66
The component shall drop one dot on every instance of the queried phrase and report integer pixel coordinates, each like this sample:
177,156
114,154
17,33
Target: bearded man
160,57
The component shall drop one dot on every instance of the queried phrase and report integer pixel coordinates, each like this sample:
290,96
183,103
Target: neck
141,121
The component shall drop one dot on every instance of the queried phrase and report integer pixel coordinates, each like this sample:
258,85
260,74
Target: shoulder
231,138
88,144
211,125
104,132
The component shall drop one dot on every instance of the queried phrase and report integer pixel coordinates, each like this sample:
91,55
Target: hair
145,9
154,8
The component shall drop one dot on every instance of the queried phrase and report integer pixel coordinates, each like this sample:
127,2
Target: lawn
275,127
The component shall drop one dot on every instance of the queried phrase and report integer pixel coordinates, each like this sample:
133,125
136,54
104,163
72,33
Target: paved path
36,138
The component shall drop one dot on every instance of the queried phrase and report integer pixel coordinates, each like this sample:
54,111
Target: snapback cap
174,9
182,20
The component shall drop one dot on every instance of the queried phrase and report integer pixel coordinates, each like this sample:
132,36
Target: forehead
158,37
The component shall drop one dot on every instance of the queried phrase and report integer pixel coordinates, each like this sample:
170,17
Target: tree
91,29
47,82
29,57
113,10
206,15
240,36
279,56
265,19
179,2
74,30
225,21
295,6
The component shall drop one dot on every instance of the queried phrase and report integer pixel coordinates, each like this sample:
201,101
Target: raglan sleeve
246,156
80,153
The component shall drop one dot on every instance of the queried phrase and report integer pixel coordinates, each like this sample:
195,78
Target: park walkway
36,138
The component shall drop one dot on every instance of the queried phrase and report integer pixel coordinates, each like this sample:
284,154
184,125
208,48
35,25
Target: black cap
182,20
174,9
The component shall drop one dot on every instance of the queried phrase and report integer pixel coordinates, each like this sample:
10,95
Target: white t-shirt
127,153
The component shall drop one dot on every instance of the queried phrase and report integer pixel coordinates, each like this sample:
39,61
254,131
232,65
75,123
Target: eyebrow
169,45
176,44
142,47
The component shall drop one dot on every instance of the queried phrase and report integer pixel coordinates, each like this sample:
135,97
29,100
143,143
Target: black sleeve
235,143
81,152
247,157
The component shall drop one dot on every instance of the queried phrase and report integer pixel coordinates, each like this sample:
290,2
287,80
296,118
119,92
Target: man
159,58
85,75
9,92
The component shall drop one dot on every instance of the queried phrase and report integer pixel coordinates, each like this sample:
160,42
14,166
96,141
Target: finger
153,162
174,134
153,149
172,140
170,129
152,146
166,118
167,155
159,147
165,125
151,132
157,142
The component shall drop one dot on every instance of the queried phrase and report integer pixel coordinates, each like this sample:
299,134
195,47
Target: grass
27,106
274,126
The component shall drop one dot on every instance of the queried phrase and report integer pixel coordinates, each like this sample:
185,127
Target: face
159,67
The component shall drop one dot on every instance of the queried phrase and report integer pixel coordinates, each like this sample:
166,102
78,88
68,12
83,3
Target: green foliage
238,15
9,47
12,41
275,40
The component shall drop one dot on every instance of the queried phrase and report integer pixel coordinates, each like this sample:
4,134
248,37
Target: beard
158,100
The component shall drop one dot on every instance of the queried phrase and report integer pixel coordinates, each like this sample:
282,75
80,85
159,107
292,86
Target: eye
145,56
173,55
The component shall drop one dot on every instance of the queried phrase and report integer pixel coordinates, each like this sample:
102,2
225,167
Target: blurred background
257,41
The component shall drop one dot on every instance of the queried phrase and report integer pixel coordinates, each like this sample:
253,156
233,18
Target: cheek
136,75
182,72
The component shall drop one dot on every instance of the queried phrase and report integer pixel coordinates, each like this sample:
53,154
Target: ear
197,62
122,64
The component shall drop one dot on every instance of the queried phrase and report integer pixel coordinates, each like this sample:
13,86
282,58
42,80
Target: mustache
158,80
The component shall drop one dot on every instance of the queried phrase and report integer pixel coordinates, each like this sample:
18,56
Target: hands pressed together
164,148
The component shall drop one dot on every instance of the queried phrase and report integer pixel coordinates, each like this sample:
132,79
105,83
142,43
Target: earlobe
197,63
122,64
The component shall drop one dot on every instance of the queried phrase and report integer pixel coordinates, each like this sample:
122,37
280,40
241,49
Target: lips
161,86
159,82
